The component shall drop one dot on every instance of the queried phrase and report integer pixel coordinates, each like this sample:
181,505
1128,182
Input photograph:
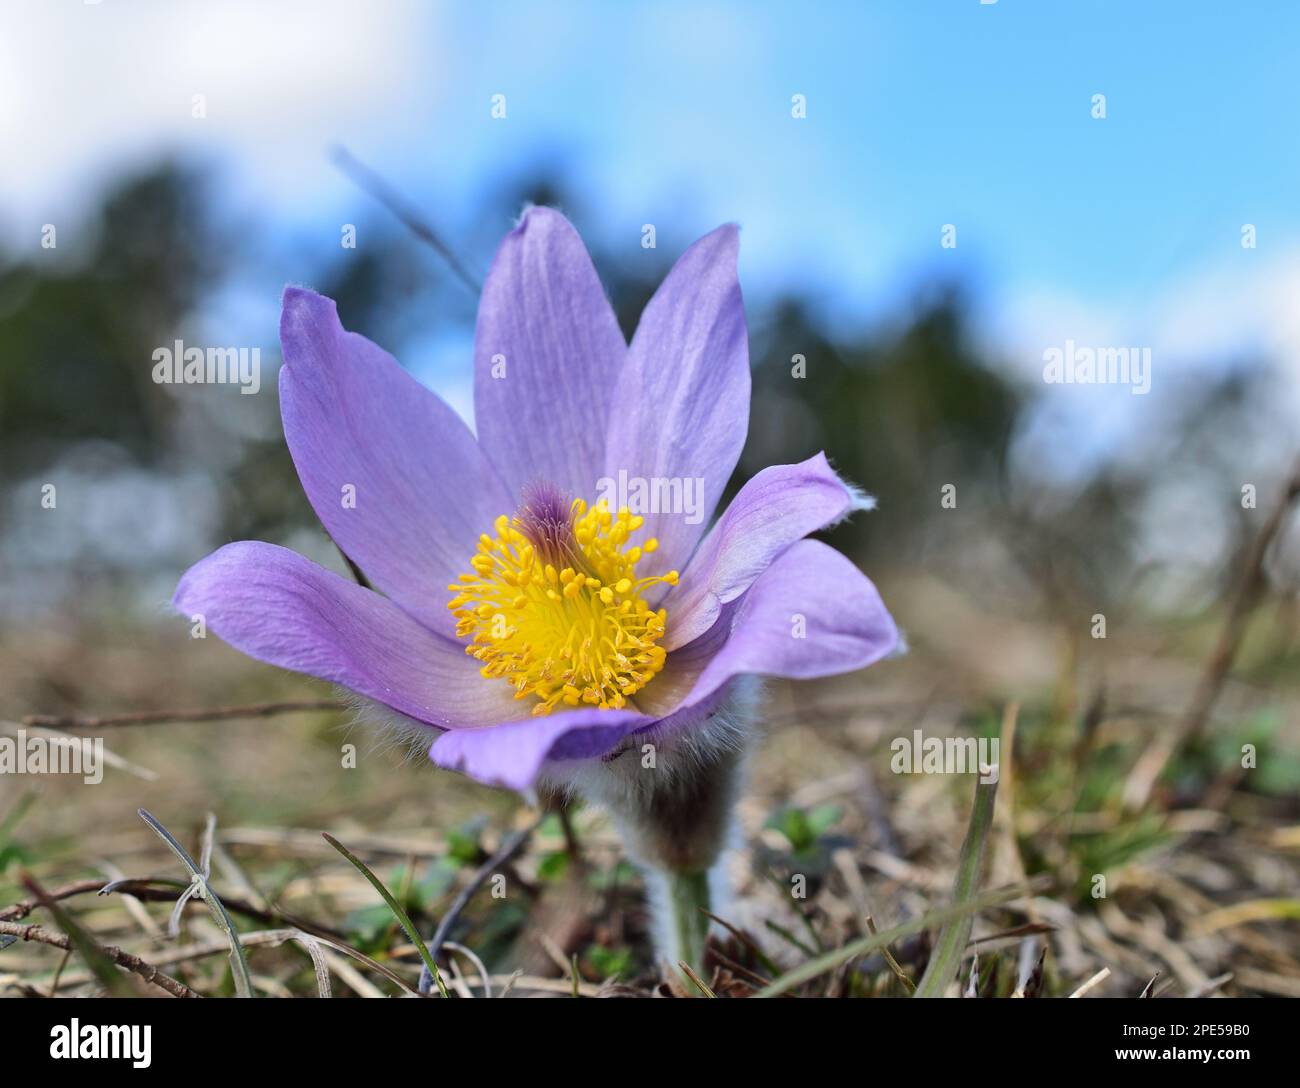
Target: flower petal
544,318
811,613
845,627
278,607
423,490
512,754
683,398
780,505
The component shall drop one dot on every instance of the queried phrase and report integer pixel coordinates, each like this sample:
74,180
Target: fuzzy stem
688,925
674,807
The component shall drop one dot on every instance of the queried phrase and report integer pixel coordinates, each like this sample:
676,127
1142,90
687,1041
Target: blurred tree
902,410
76,338
899,414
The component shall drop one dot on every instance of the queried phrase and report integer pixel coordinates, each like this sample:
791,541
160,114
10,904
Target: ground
1190,890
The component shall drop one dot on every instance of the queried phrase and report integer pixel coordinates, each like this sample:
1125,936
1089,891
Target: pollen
552,604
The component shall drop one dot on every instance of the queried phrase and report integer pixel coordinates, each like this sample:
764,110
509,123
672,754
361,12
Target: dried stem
160,890
133,963
1250,588
511,845
367,180
166,717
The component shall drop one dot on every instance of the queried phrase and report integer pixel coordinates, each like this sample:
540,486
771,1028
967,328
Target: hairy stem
672,798
687,900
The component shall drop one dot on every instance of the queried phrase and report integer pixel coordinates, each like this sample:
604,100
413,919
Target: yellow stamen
564,621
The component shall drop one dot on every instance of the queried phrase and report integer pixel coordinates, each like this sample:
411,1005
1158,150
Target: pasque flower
537,629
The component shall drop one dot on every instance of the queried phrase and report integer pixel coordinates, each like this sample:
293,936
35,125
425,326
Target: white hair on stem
673,802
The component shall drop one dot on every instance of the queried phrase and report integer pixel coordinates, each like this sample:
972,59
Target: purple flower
567,547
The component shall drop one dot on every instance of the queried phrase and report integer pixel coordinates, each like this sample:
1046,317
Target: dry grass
1200,881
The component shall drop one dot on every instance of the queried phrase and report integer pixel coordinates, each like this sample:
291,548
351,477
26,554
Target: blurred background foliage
903,408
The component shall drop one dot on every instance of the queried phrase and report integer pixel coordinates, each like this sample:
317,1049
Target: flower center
554,605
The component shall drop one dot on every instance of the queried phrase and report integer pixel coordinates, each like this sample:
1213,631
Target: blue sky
918,114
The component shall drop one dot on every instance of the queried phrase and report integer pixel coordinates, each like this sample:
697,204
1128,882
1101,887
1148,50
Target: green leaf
946,959
403,919
238,961
803,829
367,924
464,843
610,962
553,866
823,818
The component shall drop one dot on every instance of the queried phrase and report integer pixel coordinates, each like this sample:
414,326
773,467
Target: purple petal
543,316
423,489
683,398
512,754
811,613
780,505
278,607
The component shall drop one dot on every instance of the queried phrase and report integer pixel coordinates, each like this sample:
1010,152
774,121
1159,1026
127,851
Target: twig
370,182
894,965
744,938
20,910
132,963
1029,929
739,968
165,717
1249,591
76,745
275,937
508,848
100,964
1096,980
690,973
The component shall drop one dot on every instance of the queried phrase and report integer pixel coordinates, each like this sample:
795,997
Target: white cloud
1244,305
1204,320
89,86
